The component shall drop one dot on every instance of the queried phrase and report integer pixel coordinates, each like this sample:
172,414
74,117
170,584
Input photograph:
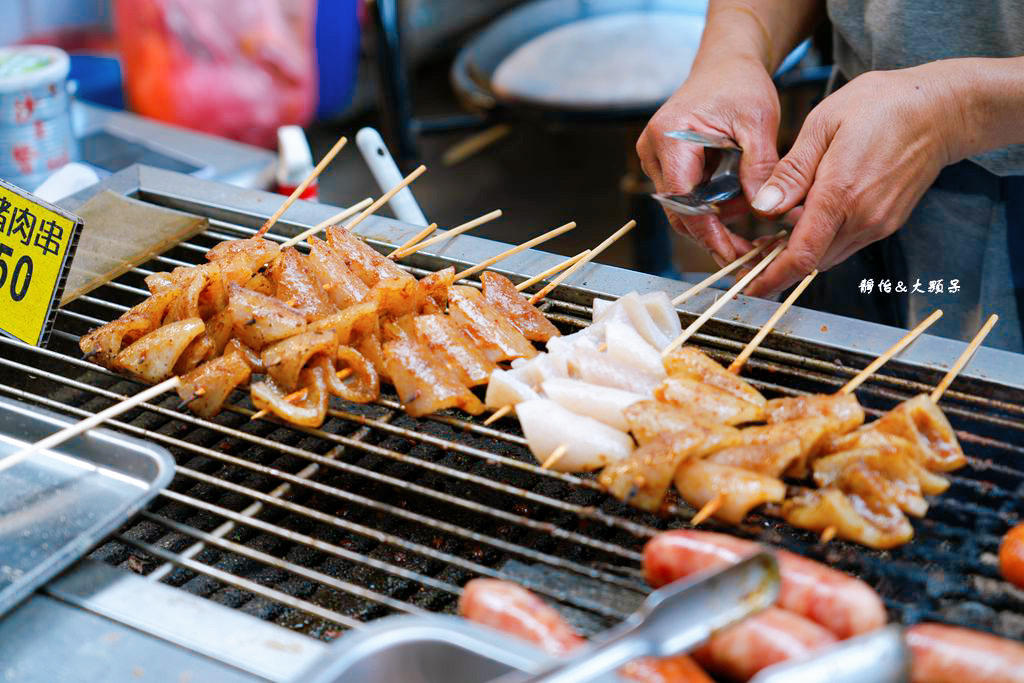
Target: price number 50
17,278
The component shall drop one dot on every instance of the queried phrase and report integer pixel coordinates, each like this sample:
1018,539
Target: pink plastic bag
236,68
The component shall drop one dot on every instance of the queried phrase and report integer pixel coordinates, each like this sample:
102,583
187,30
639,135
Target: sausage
1011,556
844,605
511,608
946,654
767,638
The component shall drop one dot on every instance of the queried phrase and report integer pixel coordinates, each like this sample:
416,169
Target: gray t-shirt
895,34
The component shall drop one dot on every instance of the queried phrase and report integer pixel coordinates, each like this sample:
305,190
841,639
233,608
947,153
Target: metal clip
723,185
672,620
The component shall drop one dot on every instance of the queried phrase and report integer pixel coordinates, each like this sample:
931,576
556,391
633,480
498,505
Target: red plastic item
235,68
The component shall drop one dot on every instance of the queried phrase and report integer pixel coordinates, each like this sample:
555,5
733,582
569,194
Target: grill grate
377,513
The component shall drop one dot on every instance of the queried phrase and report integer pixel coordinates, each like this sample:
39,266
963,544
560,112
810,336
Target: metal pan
474,67
58,504
428,649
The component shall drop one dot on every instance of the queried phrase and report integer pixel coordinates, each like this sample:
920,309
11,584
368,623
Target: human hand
733,97
863,159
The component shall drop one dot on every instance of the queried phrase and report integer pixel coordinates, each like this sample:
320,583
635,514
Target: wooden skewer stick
893,350
498,414
725,298
447,234
741,359
964,358
555,456
415,239
528,244
828,533
324,224
716,276
297,192
88,423
526,284
298,395
387,197
293,397
583,261
710,508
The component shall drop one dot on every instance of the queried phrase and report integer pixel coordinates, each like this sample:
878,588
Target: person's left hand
863,159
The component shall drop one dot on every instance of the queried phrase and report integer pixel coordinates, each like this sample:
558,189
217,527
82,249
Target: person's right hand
733,97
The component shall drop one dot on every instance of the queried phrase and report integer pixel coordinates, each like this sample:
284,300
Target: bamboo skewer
88,423
718,275
324,224
893,350
415,239
726,298
737,365
828,533
964,358
526,284
297,395
387,197
293,397
498,414
555,456
447,234
583,261
709,508
297,192
528,244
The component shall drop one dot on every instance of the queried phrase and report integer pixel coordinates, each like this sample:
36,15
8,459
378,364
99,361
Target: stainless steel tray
428,649
58,504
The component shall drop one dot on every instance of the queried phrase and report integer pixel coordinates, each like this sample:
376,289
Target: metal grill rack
377,513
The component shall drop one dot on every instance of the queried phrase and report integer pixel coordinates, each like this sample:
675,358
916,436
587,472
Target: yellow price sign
37,244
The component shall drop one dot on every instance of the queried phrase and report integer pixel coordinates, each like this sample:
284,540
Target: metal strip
221,633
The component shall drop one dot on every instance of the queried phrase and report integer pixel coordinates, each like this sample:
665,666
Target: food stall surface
111,140
308,532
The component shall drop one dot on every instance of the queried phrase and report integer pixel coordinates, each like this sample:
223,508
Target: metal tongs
672,620
723,185
684,614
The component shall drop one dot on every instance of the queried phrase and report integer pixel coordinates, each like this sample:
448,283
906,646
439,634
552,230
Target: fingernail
767,198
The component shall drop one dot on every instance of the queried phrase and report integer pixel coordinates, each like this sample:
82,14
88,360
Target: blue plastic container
35,121
98,78
337,54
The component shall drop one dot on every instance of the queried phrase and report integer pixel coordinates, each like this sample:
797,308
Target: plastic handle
385,171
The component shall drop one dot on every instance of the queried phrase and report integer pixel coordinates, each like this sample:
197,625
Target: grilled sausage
767,638
511,608
844,605
945,654
1011,556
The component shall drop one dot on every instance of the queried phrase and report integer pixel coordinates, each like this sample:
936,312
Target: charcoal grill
376,513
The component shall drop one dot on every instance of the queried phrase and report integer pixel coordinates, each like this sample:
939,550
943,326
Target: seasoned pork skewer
143,321
887,466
